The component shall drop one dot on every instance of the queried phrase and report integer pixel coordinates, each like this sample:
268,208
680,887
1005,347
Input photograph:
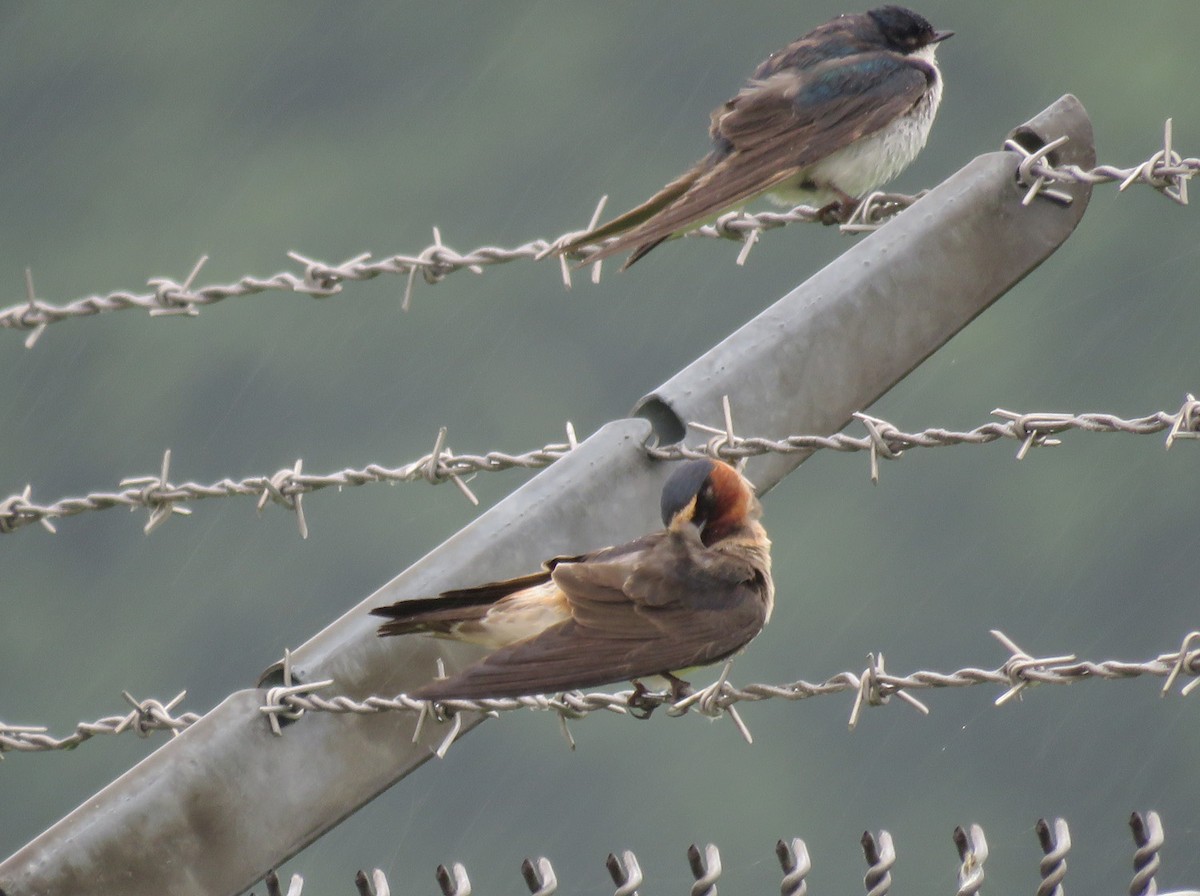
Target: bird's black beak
940,36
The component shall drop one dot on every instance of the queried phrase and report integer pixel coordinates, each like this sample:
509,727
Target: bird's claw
640,703
680,689
837,212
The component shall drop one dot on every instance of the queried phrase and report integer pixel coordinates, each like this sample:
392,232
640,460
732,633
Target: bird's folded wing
701,614
776,127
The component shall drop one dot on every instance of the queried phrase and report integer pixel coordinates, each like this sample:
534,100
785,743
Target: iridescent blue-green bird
831,117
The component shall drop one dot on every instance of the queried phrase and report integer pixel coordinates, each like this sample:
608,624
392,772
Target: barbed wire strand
287,487
1165,171
147,716
1054,838
873,686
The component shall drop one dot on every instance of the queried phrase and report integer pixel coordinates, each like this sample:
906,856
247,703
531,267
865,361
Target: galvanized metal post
224,800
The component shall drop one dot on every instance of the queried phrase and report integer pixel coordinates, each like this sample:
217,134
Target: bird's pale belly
515,618
866,164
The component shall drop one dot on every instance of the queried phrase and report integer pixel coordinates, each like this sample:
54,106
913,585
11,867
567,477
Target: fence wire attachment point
1031,171
276,704
1055,844
160,505
794,860
539,877
625,872
453,881
1183,661
972,853
881,856
706,869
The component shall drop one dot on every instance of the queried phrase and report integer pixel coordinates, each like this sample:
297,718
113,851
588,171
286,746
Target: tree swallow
687,595
831,117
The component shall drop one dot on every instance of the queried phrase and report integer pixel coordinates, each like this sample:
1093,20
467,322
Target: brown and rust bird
824,121
690,594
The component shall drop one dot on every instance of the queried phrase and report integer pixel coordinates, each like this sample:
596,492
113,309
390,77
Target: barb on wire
287,486
1165,170
146,716
884,440
1019,671
290,700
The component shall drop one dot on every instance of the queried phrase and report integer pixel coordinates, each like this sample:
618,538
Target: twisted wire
287,487
1165,171
1055,843
1147,841
146,716
793,855
873,686
881,857
972,853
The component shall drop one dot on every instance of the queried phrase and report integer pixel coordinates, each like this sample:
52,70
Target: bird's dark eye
706,504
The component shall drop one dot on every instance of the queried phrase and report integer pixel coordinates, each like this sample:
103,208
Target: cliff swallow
687,595
829,118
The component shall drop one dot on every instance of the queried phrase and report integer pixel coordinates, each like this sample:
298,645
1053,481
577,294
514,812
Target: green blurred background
137,137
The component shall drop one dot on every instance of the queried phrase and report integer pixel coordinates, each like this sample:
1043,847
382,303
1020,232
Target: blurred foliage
137,137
